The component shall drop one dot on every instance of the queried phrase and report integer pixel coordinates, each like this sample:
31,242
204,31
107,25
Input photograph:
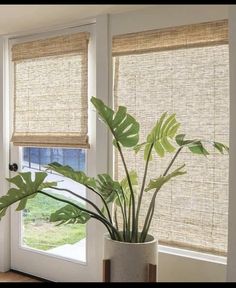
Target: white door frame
4,148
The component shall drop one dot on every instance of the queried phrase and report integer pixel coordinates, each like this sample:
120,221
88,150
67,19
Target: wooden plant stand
107,271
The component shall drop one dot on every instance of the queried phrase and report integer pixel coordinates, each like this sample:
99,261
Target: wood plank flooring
13,276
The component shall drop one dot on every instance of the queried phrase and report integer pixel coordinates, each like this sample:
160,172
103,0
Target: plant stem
91,213
152,204
115,218
81,197
151,207
131,191
104,202
125,212
172,161
142,189
129,217
122,211
144,235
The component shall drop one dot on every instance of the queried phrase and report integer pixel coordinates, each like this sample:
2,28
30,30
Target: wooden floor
13,276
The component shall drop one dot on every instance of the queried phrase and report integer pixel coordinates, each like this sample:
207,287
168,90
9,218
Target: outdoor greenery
125,195
39,233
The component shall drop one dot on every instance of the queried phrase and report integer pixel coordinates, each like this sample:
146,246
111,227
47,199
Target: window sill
192,254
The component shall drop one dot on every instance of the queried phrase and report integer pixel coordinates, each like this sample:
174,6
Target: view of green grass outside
39,233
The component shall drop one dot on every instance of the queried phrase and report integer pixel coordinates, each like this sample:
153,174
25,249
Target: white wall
175,266
4,154
231,269
165,16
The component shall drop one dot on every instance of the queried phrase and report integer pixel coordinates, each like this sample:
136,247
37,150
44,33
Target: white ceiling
20,18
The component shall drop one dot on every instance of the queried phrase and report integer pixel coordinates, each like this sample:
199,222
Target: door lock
13,167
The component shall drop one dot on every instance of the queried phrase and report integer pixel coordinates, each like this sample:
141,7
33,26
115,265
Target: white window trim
192,254
4,148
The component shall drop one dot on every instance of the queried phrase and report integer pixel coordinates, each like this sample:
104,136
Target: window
182,70
38,232
37,158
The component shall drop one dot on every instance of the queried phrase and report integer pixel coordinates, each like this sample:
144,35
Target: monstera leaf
133,176
26,189
196,145
221,147
122,125
108,188
69,215
160,137
160,181
77,176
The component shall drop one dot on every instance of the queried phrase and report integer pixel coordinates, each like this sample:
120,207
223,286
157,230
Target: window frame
176,260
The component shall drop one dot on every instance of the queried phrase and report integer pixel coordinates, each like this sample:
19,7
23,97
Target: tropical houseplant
162,139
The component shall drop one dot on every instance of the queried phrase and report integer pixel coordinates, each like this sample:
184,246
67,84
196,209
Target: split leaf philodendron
123,194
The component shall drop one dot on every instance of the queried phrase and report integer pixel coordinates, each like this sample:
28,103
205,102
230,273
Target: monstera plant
162,139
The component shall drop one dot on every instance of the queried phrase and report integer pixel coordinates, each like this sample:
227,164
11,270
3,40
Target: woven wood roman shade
171,38
50,95
182,70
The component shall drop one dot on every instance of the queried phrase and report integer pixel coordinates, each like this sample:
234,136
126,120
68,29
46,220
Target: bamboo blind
50,97
182,70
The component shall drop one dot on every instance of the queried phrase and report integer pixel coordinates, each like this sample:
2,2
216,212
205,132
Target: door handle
13,167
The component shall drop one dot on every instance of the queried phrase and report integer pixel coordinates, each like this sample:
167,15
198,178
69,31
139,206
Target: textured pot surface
129,261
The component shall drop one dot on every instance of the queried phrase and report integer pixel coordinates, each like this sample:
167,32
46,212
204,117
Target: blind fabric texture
207,34
50,95
182,70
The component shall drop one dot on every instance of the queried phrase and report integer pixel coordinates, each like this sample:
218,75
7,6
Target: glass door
65,253
39,247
